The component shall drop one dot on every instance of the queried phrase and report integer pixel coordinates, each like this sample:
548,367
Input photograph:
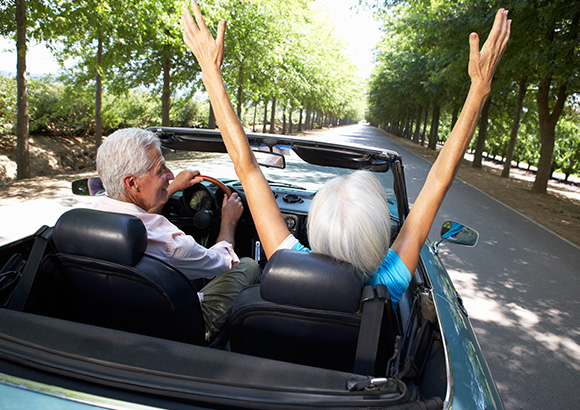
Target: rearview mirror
88,187
270,159
459,234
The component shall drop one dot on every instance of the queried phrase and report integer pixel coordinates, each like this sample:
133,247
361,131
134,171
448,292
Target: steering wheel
206,221
217,183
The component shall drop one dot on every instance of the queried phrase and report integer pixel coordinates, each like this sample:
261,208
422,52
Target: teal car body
51,362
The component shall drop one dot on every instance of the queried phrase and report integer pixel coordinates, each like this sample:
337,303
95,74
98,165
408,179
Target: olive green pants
220,294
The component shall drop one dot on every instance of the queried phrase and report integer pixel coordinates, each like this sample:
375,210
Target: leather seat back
305,311
100,275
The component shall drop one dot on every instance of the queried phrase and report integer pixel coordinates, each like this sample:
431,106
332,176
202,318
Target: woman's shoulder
291,242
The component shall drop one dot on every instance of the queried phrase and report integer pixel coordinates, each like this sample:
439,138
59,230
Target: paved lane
520,286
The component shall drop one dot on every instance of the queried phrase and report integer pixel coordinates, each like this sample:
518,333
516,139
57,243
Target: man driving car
137,182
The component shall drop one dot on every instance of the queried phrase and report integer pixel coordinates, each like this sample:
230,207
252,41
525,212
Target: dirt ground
57,161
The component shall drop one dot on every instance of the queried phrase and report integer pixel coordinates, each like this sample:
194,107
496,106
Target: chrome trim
449,371
69,395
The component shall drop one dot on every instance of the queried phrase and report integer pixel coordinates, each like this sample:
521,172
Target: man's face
151,189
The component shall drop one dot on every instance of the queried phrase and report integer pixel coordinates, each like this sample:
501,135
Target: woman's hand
209,52
482,64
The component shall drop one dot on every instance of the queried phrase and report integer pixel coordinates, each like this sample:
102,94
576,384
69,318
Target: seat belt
373,306
22,290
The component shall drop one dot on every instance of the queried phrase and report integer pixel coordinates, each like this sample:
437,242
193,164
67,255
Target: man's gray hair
124,152
349,220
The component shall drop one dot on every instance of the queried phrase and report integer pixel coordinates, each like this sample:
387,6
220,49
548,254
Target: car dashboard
196,211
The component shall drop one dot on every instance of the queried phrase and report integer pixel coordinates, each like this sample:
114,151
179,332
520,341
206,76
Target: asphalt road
520,286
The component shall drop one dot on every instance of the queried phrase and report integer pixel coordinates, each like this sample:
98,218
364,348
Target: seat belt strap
30,269
373,307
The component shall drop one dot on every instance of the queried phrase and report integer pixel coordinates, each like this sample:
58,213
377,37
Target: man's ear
130,183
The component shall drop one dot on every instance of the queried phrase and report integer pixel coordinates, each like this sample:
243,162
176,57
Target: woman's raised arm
209,53
482,65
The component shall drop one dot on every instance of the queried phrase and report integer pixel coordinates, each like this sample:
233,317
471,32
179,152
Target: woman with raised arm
360,237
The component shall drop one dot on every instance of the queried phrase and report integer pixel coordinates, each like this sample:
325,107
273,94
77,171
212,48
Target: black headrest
101,235
311,281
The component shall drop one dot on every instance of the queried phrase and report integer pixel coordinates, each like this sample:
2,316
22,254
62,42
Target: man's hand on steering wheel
183,180
232,209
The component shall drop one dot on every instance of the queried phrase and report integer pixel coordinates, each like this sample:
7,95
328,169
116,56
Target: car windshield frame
314,151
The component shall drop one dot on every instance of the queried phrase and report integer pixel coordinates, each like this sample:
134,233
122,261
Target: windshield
297,174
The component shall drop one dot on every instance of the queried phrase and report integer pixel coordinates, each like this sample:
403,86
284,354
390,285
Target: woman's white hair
349,220
124,152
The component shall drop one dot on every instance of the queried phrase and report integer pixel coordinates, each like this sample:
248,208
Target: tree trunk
548,123
99,93
22,131
434,134
406,133
290,120
515,128
166,94
308,115
284,121
265,117
425,124
547,120
418,125
454,115
211,123
481,134
254,121
300,120
273,117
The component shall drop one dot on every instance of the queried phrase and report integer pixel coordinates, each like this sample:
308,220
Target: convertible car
89,320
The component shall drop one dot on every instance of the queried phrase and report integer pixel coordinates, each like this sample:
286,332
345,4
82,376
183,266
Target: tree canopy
422,62
286,59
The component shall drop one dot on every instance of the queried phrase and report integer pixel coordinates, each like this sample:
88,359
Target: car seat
100,275
306,310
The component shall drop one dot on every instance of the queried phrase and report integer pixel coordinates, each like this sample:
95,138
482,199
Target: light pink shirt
168,243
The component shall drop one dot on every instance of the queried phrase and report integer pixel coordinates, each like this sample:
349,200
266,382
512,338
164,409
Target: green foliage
185,112
7,22
7,104
287,51
131,109
567,150
59,109
423,60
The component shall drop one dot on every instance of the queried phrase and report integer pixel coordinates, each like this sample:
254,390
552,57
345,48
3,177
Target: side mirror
459,234
270,159
88,187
